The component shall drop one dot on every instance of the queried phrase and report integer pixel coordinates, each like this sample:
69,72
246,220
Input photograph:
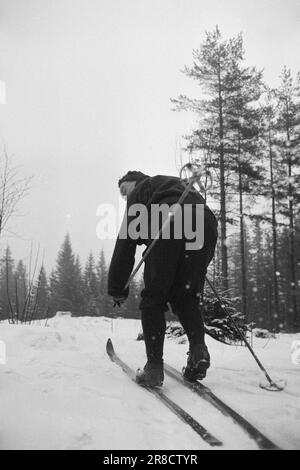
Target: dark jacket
156,190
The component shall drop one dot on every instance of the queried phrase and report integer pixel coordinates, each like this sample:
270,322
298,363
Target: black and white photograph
149,227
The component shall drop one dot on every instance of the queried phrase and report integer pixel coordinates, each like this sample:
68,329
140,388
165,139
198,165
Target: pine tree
257,260
103,301
66,281
79,295
284,278
53,303
7,290
269,115
21,288
41,296
245,122
225,116
288,125
90,287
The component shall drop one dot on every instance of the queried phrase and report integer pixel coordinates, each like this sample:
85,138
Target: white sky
88,87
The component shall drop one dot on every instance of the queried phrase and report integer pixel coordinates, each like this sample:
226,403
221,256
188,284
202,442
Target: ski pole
273,386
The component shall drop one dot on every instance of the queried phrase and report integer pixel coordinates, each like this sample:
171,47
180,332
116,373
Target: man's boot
198,362
152,375
154,326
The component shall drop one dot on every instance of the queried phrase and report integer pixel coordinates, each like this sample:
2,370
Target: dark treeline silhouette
69,288
248,135
82,291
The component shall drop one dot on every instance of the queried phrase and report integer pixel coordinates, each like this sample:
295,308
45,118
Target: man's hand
119,300
119,296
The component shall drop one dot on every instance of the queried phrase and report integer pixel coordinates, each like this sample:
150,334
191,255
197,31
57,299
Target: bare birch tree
13,188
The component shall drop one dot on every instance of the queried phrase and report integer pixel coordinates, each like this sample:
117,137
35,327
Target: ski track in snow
59,390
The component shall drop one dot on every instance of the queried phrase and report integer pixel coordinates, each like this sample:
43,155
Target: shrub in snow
63,314
174,329
261,333
218,325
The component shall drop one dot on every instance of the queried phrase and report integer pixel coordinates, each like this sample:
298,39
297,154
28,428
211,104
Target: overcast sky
88,87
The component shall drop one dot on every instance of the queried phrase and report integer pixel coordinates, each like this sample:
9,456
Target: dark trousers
173,274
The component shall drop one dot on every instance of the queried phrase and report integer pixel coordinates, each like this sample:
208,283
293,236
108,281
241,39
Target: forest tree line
28,296
248,135
70,287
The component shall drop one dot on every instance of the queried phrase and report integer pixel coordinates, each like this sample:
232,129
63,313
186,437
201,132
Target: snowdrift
59,390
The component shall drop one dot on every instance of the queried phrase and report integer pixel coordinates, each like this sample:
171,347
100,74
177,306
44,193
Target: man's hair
137,176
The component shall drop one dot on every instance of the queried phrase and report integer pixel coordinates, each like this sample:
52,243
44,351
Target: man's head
128,182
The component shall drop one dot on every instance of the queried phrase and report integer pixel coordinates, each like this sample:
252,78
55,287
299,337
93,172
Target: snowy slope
59,390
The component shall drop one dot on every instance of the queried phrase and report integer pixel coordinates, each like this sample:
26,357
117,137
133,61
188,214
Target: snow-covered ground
59,390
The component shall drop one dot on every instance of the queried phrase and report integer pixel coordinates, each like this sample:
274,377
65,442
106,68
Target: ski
160,394
204,392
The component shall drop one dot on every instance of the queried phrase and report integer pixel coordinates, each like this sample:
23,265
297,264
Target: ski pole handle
199,173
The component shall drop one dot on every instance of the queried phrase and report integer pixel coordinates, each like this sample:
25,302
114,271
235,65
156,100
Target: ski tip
109,347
